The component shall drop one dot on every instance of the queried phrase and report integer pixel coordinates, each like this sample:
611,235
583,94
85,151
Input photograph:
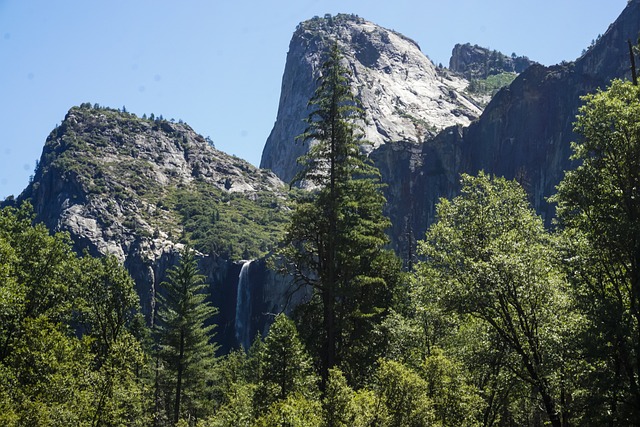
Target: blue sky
217,64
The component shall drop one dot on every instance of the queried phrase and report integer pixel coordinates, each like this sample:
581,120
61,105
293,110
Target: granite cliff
140,189
405,96
476,62
524,132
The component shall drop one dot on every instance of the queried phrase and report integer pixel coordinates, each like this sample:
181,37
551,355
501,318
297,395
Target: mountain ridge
141,189
476,62
524,133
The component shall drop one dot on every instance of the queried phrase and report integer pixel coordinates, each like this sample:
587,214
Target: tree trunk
550,407
328,295
176,415
329,357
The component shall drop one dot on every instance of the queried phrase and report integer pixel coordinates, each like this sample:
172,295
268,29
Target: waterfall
243,307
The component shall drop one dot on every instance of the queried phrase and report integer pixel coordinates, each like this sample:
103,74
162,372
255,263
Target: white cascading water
243,307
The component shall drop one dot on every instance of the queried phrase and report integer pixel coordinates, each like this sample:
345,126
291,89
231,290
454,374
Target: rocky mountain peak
475,62
405,96
118,182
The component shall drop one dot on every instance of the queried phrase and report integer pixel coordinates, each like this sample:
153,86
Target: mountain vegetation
487,70
111,158
501,319
475,62
491,84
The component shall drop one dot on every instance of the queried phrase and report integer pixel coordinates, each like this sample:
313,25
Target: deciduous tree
599,209
496,262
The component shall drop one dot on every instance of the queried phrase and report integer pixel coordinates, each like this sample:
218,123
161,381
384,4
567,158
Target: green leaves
599,210
333,132
335,241
285,366
495,261
184,336
602,196
107,302
405,395
67,356
227,224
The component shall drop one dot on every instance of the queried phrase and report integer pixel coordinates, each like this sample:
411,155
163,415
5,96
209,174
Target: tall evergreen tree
336,237
184,338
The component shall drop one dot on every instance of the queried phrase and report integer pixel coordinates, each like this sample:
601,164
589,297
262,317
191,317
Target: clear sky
217,64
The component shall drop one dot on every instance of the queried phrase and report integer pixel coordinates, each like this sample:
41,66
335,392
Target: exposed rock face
103,175
270,294
107,178
526,130
416,177
405,97
475,62
524,133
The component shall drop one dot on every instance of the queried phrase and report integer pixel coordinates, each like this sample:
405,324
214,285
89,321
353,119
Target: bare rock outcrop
405,96
117,184
524,133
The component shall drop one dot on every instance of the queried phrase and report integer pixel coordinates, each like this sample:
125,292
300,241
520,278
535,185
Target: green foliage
237,412
49,365
455,401
404,394
344,407
229,225
335,241
41,274
496,262
107,303
491,84
122,394
599,209
185,348
338,400
68,357
117,158
294,411
286,367
232,391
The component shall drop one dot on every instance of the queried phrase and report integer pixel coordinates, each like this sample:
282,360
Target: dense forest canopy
502,322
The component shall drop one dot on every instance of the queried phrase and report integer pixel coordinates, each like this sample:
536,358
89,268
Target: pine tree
184,338
286,368
336,238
